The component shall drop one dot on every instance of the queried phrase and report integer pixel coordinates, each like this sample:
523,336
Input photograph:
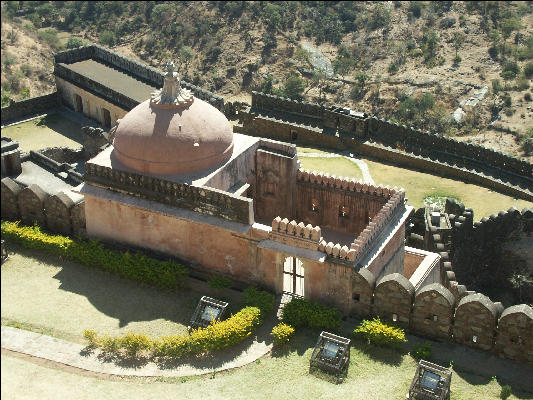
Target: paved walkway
367,178
76,355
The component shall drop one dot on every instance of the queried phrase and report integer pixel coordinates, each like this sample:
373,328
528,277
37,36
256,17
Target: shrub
219,282
133,343
50,37
167,274
92,337
74,42
528,69
422,352
282,333
108,38
302,312
109,344
505,392
264,301
379,333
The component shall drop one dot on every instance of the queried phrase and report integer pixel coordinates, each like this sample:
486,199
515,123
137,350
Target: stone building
178,180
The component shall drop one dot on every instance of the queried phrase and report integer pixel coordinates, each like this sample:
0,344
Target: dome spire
172,95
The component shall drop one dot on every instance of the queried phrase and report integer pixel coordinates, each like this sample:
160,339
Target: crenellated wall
25,108
337,203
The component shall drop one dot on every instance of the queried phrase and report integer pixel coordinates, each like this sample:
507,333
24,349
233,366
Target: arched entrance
78,104
293,276
106,116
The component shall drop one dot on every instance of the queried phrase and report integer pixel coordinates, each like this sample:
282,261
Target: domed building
179,181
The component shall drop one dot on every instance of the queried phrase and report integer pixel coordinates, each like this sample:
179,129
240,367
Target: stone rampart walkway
76,355
367,178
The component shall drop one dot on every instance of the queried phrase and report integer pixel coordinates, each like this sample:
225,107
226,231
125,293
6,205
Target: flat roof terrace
113,79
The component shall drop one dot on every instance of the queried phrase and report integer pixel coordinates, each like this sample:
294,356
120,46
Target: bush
219,282
74,43
422,352
167,274
108,38
282,333
133,343
528,69
92,337
379,333
506,392
50,37
264,301
302,312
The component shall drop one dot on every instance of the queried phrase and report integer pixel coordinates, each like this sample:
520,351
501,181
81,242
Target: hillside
414,62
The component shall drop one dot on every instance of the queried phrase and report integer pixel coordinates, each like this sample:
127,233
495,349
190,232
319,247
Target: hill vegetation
415,62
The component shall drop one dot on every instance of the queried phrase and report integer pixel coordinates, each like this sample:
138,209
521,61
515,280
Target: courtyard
44,294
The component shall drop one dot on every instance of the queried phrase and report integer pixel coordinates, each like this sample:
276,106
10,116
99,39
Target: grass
65,298
373,374
46,295
333,166
51,130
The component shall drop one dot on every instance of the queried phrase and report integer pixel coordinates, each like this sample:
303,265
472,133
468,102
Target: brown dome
155,139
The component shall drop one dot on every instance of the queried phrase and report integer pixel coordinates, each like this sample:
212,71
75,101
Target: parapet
295,234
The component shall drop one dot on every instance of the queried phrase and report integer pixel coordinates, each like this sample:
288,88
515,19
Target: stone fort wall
288,120
434,311
56,212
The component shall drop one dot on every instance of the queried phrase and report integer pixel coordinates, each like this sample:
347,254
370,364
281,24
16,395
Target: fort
238,204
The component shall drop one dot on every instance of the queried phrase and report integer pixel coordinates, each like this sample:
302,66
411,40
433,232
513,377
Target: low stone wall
56,212
28,107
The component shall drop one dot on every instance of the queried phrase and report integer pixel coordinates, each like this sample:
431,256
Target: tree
458,40
108,38
343,65
303,57
508,26
294,87
186,56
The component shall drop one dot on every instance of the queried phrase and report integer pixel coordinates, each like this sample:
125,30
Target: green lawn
63,298
52,130
334,166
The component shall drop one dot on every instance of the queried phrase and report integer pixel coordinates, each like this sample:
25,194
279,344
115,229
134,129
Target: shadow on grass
63,126
385,355
117,297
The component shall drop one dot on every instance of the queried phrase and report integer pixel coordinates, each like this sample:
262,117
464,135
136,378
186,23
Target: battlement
388,212
348,184
295,233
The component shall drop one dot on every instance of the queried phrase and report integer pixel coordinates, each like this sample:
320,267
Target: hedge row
166,274
301,312
216,336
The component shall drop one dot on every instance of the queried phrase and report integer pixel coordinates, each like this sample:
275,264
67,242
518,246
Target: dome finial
172,93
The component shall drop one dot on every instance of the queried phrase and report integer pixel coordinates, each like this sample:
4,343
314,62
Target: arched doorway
106,116
293,276
78,104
